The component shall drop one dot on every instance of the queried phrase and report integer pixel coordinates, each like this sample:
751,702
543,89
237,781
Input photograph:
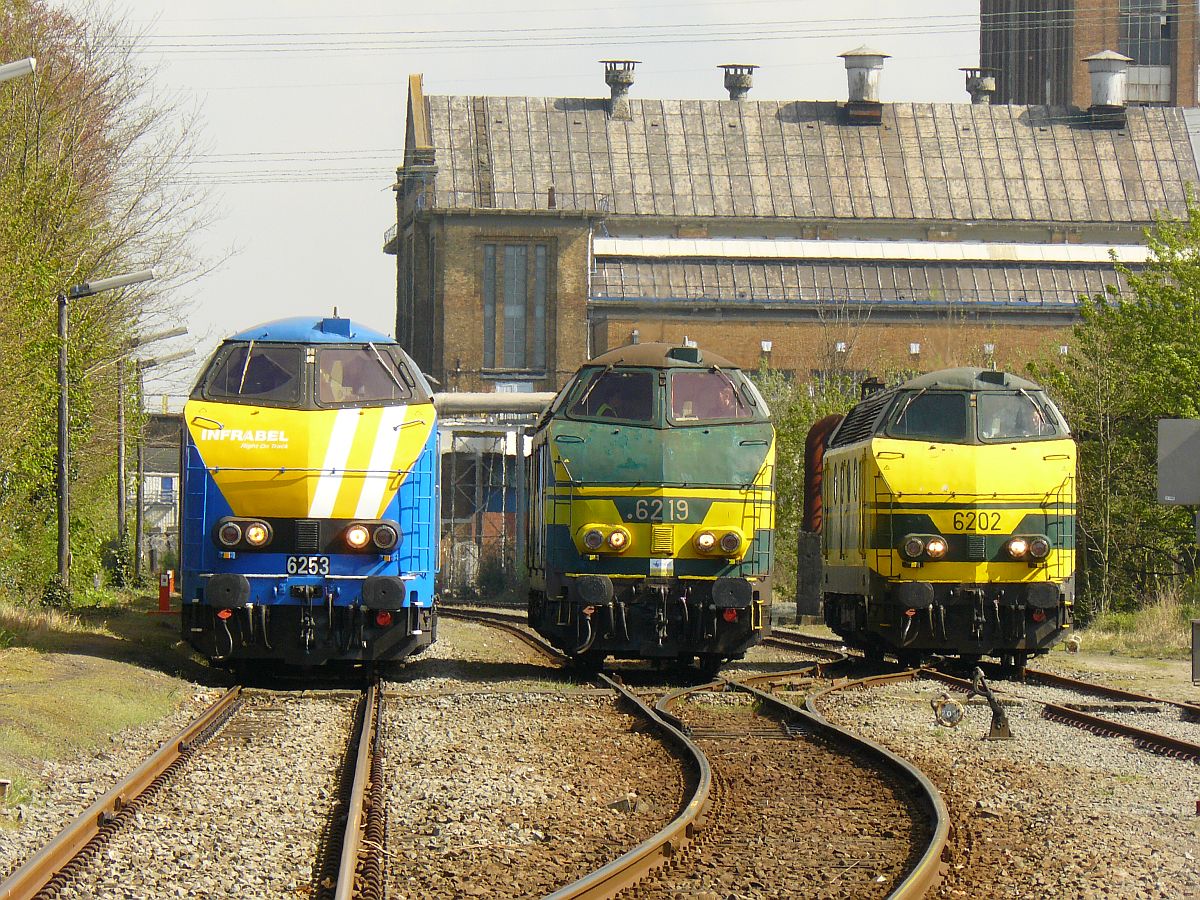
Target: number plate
308,565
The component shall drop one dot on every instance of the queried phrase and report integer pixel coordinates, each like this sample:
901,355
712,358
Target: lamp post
86,289
18,68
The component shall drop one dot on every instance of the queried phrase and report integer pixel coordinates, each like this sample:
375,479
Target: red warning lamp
224,614
383,618
730,615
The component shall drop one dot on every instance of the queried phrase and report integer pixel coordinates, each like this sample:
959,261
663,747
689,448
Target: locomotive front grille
976,546
661,542
308,536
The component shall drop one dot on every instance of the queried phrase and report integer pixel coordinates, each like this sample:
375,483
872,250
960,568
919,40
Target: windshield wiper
595,381
245,367
908,403
391,374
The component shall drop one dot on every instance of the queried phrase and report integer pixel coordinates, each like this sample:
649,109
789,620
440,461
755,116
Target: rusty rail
928,870
40,870
365,797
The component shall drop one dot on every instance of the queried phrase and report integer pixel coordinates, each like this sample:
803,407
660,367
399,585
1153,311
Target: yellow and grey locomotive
947,519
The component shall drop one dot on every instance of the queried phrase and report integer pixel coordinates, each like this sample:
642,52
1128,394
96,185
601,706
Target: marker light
731,541
385,537
913,546
1017,547
230,534
357,536
1038,615
935,548
1039,547
594,539
224,614
618,540
383,618
730,615
705,541
257,533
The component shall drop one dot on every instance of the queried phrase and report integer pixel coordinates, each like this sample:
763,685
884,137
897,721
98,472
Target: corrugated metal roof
779,159
803,281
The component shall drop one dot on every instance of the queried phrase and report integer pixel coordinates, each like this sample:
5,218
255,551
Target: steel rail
34,875
928,870
360,794
1162,744
800,645
630,868
502,622
1050,679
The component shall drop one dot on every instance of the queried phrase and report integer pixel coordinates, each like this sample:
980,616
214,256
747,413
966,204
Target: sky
302,105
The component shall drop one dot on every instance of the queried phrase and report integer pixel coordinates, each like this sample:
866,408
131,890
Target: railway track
211,808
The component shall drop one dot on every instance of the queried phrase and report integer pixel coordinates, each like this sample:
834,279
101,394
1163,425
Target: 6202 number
308,565
972,521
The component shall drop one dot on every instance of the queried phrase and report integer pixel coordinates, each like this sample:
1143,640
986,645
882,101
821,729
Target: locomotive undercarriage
308,634
913,620
594,617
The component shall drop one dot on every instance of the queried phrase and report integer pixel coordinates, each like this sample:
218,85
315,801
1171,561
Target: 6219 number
656,509
972,521
308,565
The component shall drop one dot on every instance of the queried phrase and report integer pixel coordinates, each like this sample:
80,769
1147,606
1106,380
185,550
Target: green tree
90,160
1134,359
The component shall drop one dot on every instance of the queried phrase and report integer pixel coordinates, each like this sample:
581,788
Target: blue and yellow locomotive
946,511
651,521
309,498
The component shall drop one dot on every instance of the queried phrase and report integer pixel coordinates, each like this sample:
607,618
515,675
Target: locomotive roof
662,355
313,330
971,379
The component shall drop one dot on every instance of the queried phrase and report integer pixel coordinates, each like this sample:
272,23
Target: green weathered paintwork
727,455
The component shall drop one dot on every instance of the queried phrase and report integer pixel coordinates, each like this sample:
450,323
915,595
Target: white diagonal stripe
340,441
382,456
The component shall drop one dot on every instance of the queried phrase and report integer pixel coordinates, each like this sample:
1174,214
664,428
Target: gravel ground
73,785
230,824
1055,812
505,779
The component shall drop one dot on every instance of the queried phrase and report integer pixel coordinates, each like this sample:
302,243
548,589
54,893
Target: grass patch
1161,629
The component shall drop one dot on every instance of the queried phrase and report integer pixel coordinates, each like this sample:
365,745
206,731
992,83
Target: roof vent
685,353
1108,73
863,68
618,75
739,78
981,84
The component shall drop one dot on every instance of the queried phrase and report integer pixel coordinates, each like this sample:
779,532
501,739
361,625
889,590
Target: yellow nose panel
335,463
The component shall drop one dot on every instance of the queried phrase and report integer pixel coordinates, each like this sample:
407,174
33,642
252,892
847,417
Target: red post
166,586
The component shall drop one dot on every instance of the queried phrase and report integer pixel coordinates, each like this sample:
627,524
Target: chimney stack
739,78
981,84
863,66
618,75
1108,73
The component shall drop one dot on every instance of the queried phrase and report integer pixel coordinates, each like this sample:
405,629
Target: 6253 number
308,565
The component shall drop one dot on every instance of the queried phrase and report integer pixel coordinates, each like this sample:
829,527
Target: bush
1161,628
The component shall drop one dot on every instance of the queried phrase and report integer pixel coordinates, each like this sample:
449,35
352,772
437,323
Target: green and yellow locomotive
947,519
652,510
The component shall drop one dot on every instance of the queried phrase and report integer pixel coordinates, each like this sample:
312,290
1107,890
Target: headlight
385,537
593,539
1017,547
357,536
731,541
913,546
935,547
618,540
1039,547
257,533
705,541
230,534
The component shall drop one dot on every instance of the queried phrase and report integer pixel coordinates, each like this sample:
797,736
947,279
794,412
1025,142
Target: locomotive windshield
254,372
624,394
930,416
360,374
711,395
999,416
